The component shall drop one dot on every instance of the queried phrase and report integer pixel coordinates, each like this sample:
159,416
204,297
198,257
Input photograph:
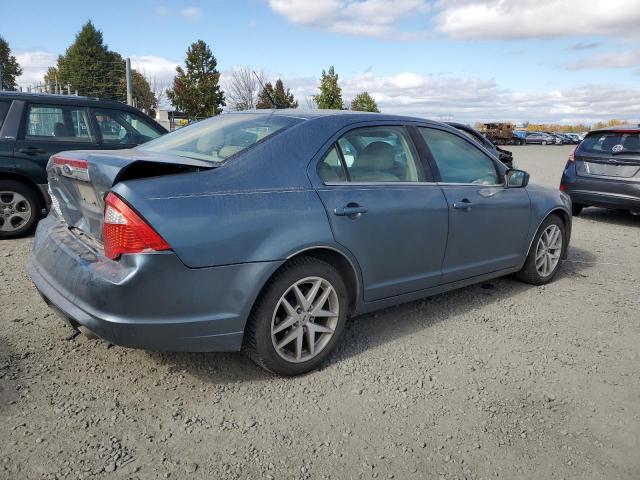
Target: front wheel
545,255
298,318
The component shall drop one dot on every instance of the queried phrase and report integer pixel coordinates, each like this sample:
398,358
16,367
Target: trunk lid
80,180
617,167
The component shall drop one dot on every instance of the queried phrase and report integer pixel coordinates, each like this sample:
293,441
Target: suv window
379,154
58,123
124,127
4,108
458,160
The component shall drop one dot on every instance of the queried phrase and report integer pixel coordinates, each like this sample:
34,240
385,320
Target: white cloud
156,69
476,99
34,66
518,19
374,18
610,60
191,13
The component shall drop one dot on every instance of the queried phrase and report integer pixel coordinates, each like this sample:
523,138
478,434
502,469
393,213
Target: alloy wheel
305,319
548,250
15,211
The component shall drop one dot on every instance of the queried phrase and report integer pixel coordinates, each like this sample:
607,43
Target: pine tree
89,67
196,90
143,97
276,97
363,102
10,67
330,96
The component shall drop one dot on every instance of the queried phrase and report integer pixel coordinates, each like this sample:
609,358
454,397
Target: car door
488,222
384,208
48,129
122,129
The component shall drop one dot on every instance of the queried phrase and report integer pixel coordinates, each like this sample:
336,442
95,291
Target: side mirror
516,178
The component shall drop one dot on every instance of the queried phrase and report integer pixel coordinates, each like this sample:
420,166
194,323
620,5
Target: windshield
611,142
218,138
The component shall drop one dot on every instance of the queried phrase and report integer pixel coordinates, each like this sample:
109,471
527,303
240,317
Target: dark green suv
35,126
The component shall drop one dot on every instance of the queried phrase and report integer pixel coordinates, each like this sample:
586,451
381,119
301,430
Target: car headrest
59,130
376,156
632,142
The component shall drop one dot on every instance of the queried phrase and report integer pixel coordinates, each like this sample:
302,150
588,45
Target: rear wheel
298,318
20,209
545,255
576,209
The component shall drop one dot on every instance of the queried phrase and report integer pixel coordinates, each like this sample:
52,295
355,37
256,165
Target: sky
564,61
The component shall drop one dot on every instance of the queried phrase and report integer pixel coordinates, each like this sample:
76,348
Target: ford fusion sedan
265,231
604,170
540,138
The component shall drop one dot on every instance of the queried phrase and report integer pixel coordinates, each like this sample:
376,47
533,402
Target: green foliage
281,98
196,90
10,67
143,97
90,67
330,96
363,102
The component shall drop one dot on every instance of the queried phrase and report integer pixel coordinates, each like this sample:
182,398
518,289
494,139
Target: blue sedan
264,231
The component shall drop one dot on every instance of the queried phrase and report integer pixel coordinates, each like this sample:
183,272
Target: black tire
258,342
529,273
576,209
35,206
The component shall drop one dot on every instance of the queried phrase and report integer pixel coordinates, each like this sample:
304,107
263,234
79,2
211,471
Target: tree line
90,68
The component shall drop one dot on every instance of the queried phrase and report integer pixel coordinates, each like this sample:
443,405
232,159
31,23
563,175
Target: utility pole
128,73
1,77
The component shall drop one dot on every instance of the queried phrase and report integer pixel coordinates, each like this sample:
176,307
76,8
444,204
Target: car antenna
273,103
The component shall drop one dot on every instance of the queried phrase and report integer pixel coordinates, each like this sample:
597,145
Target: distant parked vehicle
540,138
519,137
564,139
574,137
34,126
500,133
505,156
604,170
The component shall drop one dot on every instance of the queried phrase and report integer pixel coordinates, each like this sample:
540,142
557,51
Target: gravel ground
500,380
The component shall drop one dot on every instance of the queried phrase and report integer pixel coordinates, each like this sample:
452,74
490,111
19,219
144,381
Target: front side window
218,138
119,127
458,160
380,154
58,123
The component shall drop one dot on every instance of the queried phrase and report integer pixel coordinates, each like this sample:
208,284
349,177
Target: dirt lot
501,380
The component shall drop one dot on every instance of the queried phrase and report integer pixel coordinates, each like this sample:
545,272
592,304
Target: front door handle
464,204
352,210
31,150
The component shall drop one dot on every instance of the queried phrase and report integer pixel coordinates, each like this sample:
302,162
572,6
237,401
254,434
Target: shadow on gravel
369,331
614,217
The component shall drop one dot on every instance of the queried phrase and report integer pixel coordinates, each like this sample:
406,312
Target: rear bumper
596,192
150,301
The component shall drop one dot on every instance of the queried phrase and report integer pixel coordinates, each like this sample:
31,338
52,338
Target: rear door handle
351,210
31,150
463,204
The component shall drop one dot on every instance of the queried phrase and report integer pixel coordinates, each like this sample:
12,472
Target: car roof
62,99
323,113
625,127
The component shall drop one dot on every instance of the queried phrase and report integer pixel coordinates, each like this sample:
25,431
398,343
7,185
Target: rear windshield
611,143
218,138
4,108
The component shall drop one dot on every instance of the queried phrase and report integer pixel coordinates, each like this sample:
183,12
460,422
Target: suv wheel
20,209
545,255
298,318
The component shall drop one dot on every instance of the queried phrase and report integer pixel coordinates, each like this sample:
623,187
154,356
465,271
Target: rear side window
124,127
58,123
458,160
331,168
611,143
4,108
380,154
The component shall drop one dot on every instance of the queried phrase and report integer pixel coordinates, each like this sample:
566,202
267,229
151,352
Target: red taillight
123,231
562,188
72,167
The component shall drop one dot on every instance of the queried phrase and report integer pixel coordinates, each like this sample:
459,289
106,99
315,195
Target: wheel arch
566,219
17,177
